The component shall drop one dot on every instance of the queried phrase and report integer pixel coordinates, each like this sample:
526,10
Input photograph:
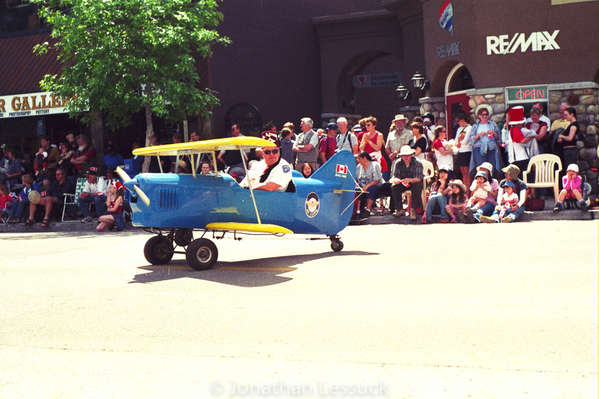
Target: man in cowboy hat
398,137
511,175
407,175
94,192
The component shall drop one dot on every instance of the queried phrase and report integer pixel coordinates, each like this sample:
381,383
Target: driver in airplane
272,173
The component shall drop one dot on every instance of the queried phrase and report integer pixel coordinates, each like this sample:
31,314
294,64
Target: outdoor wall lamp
420,81
403,92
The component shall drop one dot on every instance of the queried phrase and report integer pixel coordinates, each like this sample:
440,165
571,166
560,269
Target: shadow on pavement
246,273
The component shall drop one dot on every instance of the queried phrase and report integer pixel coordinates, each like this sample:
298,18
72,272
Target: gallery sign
536,41
32,104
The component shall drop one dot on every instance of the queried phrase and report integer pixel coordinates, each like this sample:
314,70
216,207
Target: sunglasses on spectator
484,114
268,152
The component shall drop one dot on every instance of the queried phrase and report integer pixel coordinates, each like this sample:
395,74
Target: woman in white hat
484,139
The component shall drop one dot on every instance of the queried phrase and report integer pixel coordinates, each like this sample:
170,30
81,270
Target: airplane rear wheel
201,254
336,245
158,250
183,237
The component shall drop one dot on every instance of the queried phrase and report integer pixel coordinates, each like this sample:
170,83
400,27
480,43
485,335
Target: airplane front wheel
336,244
201,254
158,250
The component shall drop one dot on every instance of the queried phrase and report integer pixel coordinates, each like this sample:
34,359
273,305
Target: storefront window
17,15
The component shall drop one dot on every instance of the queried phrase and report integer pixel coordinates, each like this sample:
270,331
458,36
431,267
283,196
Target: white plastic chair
546,173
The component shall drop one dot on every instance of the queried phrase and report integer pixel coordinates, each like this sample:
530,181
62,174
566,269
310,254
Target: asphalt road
434,311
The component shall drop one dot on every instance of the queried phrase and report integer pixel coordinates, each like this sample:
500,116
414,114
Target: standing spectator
540,107
443,150
65,158
428,121
54,195
232,158
346,140
306,145
94,192
286,146
156,166
540,127
566,141
112,159
114,219
419,142
13,172
398,136
291,127
84,156
328,144
561,123
484,139
72,142
519,139
372,142
511,175
464,146
407,175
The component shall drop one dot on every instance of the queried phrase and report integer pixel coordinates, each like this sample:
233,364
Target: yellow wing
194,147
249,227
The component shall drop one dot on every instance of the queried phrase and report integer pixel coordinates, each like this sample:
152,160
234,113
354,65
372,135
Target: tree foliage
121,56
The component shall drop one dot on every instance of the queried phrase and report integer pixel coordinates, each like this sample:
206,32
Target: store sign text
31,105
536,41
448,50
529,93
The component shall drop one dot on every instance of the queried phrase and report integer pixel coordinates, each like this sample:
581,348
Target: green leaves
110,48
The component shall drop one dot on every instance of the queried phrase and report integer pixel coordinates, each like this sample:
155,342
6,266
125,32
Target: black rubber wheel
336,245
158,251
183,237
201,254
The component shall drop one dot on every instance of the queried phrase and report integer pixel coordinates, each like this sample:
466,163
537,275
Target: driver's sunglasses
268,152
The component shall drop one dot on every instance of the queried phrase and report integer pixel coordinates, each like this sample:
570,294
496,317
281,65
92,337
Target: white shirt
101,186
280,175
465,145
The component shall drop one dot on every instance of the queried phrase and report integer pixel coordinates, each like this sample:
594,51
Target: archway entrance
458,82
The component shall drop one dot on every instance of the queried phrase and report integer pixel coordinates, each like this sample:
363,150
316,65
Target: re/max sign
31,104
536,41
528,93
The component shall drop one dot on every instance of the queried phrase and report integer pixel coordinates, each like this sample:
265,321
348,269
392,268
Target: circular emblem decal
312,205
286,169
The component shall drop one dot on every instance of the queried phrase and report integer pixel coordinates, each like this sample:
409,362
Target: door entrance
454,103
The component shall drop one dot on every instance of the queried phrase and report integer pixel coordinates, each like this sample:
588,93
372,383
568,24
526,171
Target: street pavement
404,311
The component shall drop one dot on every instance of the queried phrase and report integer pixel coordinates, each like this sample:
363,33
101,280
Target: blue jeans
99,202
487,210
438,201
512,215
20,209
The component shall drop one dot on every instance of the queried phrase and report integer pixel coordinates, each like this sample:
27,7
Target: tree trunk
149,133
97,140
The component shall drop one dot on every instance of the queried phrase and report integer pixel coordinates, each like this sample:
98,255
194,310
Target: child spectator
508,200
572,189
480,191
114,219
20,209
457,199
5,198
307,170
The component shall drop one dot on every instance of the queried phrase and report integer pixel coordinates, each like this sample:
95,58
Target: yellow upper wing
231,143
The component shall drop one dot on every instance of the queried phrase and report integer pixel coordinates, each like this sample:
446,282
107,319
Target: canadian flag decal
342,169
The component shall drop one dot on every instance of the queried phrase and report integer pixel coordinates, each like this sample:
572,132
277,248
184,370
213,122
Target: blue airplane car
173,205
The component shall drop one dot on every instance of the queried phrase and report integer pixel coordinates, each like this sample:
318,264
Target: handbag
533,204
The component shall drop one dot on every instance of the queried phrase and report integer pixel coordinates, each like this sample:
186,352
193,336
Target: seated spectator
369,178
439,197
511,175
407,175
469,216
507,201
19,209
307,170
571,184
65,158
114,219
5,199
112,159
480,191
110,175
206,168
94,192
457,200
270,174
54,195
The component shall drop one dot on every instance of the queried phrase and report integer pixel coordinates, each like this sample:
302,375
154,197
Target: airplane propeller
138,190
